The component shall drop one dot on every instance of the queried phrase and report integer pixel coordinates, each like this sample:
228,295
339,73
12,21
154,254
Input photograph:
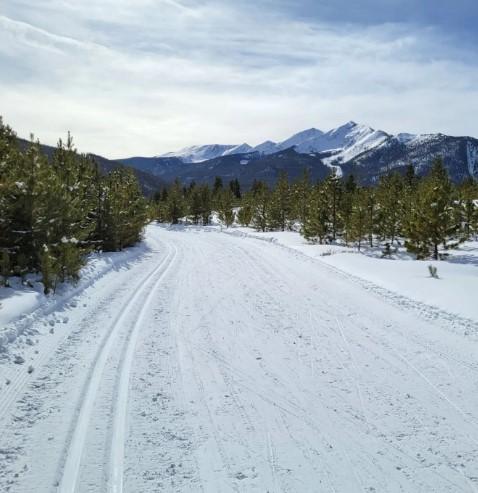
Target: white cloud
146,77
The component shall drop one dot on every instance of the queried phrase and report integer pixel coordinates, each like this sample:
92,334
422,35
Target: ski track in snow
226,364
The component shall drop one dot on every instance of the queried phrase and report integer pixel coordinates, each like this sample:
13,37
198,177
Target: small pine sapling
433,271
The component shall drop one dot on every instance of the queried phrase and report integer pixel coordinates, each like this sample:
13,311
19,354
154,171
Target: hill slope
149,182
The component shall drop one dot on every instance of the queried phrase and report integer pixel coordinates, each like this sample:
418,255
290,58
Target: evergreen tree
371,215
317,226
52,213
468,207
333,190
176,206
410,177
235,188
206,204
280,210
390,197
260,205
218,186
300,197
409,194
5,269
358,220
10,169
49,270
244,215
122,211
71,222
348,198
433,220
28,208
224,205
195,204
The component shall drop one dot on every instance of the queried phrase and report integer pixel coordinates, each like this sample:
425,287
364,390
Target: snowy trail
228,364
121,406
75,449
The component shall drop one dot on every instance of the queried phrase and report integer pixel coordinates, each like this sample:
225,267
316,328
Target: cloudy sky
143,77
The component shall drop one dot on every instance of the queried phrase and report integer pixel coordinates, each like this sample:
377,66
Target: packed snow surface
218,362
453,291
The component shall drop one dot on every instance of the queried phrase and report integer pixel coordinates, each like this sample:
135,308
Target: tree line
425,214
53,212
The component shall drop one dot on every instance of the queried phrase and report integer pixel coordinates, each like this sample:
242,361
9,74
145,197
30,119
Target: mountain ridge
309,140
350,149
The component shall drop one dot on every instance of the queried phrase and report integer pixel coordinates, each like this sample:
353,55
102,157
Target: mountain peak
240,149
350,136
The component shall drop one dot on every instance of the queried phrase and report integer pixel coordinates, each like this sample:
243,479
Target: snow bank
454,291
20,305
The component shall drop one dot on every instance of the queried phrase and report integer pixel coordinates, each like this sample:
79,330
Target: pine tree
10,168
390,212
5,269
260,205
235,188
301,191
224,206
244,215
195,204
371,215
358,220
409,195
348,198
280,210
176,206
73,221
206,204
35,206
317,226
433,220
49,270
218,186
333,190
468,207
125,210
52,213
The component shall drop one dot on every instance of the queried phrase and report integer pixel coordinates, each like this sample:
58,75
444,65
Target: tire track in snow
270,270
119,431
20,381
255,269
74,452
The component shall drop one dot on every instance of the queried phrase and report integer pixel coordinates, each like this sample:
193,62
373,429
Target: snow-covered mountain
350,149
349,140
306,141
200,153
345,142
460,156
240,149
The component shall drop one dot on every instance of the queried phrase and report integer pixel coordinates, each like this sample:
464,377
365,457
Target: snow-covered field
216,362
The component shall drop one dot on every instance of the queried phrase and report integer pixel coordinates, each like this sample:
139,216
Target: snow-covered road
217,363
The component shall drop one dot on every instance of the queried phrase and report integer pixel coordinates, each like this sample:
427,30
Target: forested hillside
147,181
